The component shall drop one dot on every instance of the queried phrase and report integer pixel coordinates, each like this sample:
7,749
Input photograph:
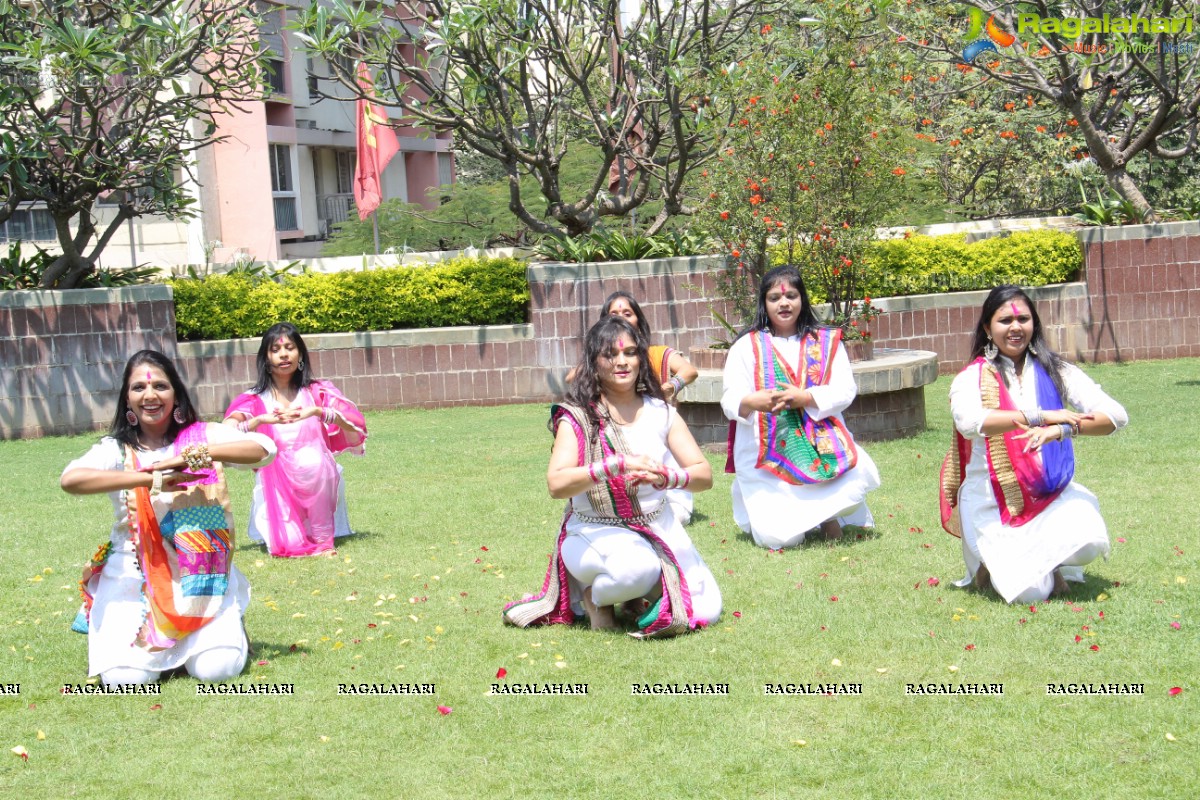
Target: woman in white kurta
621,544
1014,405
778,513
152,410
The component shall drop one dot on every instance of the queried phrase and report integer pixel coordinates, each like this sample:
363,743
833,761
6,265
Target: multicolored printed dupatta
618,503
791,444
184,555
1024,483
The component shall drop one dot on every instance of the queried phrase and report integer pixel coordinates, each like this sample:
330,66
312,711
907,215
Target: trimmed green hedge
935,264
466,291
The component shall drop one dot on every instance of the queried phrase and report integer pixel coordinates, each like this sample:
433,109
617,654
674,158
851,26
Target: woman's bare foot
1060,584
601,617
831,529
983,578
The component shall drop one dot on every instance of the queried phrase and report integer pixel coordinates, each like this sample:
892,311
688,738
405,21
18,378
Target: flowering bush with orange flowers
813,164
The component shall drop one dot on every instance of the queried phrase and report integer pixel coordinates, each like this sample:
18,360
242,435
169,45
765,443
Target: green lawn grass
454,520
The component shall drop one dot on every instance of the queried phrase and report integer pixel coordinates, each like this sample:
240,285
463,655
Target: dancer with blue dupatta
162,591
1006,484
620,545
787,381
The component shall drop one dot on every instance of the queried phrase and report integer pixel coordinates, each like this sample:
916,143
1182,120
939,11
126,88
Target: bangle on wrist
1068,431
156,482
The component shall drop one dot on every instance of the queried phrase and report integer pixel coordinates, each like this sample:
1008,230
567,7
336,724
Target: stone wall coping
891,370
481,334
551,271
1116,233
49,298
920,302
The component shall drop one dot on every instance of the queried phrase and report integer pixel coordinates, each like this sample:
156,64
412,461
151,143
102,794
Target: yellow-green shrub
466,291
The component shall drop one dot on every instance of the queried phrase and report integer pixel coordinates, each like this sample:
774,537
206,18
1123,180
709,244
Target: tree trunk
1125,186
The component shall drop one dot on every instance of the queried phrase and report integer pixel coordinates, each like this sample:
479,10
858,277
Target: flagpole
375,228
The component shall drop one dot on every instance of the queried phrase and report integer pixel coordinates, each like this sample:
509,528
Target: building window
28,225
445,169
345,171
276,49
283,188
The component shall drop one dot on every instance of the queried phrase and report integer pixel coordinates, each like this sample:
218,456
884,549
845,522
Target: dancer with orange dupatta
162,592
1007,487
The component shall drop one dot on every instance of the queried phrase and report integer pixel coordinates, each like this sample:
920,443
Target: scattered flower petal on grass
41,735
1169,737
444,710
1175,625
1100,598
833,599
1078,638
1174,690
953,668
837,662
501,673
969,647
324,738
737,614
1033,609
1094,648
156,707
799,742
1121,539
933,581
263,662
21,752
881,670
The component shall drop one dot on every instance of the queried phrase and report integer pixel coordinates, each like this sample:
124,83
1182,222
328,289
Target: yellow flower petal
952,668
837,662
881,670
41,735
1170,738
1100,598
799,742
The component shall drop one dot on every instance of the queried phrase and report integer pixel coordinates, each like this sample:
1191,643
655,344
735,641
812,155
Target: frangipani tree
524,81
111,99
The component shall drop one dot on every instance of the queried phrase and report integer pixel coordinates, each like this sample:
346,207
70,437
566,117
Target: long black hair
643,327
127,434
1051,361
303,375
806,320
601,338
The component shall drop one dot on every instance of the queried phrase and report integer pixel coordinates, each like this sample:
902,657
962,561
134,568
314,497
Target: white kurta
260,517
776,513
621,565
1068,533
118,609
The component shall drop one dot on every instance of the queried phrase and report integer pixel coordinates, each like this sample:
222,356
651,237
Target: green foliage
608,245
466,291
813,160
933,264
18,271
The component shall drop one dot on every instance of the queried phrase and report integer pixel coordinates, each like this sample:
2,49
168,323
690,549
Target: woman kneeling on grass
620,543
162,592
787,381
1007,487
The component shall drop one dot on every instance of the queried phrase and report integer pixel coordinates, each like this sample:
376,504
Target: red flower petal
1033,609
1078,638
833,599
156,707
500,673
969,647
484,548
263,662
1175,625
1094,647
737,614
444,710
1174,690
933,581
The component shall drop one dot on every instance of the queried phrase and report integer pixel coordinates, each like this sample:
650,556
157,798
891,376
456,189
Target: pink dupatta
300,487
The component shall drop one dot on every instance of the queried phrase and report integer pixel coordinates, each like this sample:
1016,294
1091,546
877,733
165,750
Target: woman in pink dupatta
299,503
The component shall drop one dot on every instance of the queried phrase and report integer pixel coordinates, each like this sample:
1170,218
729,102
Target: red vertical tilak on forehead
1016,312
148,376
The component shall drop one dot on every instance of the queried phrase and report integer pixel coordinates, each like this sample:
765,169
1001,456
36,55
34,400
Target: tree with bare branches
112,99
522,81
1124,73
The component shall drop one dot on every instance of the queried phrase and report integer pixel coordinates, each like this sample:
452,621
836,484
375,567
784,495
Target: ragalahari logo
980,44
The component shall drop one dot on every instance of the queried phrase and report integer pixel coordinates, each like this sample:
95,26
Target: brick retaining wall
61,353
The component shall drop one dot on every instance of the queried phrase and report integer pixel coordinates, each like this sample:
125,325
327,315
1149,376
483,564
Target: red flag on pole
377,144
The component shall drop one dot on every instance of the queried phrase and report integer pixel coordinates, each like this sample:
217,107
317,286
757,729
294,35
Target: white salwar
118,608
1067,534
620,564
776,513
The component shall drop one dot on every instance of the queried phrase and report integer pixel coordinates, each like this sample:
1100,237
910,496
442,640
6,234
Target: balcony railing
334,208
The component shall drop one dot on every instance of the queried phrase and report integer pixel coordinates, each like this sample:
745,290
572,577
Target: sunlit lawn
454,520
